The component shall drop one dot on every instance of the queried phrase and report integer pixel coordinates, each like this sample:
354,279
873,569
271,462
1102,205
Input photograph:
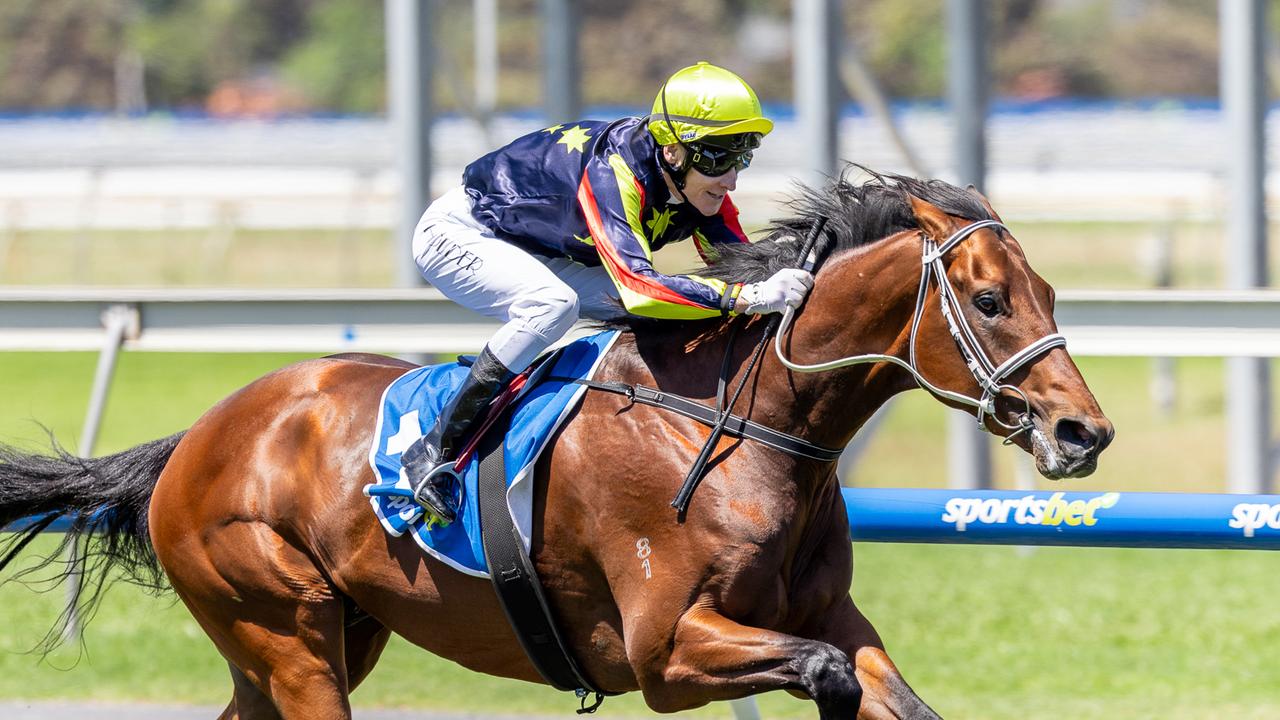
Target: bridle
989,376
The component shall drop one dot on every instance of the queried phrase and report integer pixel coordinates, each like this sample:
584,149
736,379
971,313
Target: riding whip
806,262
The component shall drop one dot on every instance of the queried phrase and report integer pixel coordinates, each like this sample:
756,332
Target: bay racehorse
255,515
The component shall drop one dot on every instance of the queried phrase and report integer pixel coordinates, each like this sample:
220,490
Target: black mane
856,215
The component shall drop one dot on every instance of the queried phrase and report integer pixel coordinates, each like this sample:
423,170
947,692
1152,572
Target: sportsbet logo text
1253,516
1027,510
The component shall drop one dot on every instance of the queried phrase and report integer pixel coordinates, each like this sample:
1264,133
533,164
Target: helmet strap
678,174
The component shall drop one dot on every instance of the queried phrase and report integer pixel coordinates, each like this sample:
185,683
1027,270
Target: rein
807,262
989,376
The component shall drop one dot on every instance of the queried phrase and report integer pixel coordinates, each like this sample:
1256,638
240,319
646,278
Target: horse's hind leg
271,613
247,701
363,643
365,639
291,656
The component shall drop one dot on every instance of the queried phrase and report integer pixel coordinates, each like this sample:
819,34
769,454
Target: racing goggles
714,156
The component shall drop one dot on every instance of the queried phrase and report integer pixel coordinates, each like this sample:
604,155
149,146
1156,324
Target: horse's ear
985,203
932,220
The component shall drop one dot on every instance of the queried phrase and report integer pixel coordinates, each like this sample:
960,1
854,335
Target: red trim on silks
639,188
698,240
729,213
609,254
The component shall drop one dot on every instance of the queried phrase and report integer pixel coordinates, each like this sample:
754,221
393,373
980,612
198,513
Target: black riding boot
425,460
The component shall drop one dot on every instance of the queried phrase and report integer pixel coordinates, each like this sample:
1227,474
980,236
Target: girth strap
517,585
735,425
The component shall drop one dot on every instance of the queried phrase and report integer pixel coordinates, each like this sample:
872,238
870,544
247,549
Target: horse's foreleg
887,696
715,658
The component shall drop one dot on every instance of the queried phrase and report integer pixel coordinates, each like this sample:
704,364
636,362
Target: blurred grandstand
1069,161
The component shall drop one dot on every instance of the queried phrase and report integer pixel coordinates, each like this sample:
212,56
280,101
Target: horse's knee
827,675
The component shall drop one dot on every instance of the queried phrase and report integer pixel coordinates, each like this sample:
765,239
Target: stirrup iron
445,514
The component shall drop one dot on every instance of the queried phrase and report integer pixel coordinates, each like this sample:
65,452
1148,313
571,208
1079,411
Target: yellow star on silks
660,221
553,128
585,240
574,138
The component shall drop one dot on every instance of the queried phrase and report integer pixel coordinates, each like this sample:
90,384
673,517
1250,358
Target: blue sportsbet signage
996,517
1064,518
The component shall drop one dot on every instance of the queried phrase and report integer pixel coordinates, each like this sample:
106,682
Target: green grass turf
979,632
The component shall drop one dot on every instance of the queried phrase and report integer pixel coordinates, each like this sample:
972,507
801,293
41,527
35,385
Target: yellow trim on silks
645,306
630,200
733,299
706,248
638,303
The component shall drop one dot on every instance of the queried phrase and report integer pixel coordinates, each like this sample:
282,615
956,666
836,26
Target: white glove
786,288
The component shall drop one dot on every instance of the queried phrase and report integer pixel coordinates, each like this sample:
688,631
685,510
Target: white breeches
539,298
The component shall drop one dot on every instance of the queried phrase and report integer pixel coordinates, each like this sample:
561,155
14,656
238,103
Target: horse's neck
861,304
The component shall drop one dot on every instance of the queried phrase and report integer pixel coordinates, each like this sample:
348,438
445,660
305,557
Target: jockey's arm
613,202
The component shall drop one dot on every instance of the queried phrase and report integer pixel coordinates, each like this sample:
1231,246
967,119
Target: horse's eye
987,305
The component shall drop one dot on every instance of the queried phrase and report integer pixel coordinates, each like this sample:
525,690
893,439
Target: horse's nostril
1075,434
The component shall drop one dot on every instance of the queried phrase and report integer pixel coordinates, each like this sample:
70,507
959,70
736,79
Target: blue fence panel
1003,517
1113,519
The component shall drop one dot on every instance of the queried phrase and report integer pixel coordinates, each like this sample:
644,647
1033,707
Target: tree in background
340,63
191,46
59,54
329,55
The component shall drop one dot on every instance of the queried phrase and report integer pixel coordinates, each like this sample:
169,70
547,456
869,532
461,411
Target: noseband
989,376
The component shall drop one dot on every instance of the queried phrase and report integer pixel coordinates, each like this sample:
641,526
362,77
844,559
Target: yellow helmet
705,100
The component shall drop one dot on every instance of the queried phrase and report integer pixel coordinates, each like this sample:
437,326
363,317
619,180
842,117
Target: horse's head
987,332
923,276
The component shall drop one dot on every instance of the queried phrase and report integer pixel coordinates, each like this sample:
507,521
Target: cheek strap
678,175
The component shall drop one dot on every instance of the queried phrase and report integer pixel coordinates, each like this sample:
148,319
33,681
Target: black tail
106,500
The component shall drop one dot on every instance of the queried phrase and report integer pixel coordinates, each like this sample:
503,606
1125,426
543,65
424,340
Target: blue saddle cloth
409,408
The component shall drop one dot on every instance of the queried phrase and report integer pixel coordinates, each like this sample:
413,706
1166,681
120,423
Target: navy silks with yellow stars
593,191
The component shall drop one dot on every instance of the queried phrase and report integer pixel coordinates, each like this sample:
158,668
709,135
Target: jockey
562,223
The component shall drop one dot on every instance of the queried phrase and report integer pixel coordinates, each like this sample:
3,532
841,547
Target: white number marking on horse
643,551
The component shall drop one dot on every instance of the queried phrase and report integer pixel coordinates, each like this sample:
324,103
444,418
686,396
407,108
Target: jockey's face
706,194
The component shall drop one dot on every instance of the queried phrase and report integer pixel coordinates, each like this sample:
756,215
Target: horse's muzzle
1072,451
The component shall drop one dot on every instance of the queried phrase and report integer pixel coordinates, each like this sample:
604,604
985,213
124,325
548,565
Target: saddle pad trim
519,492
